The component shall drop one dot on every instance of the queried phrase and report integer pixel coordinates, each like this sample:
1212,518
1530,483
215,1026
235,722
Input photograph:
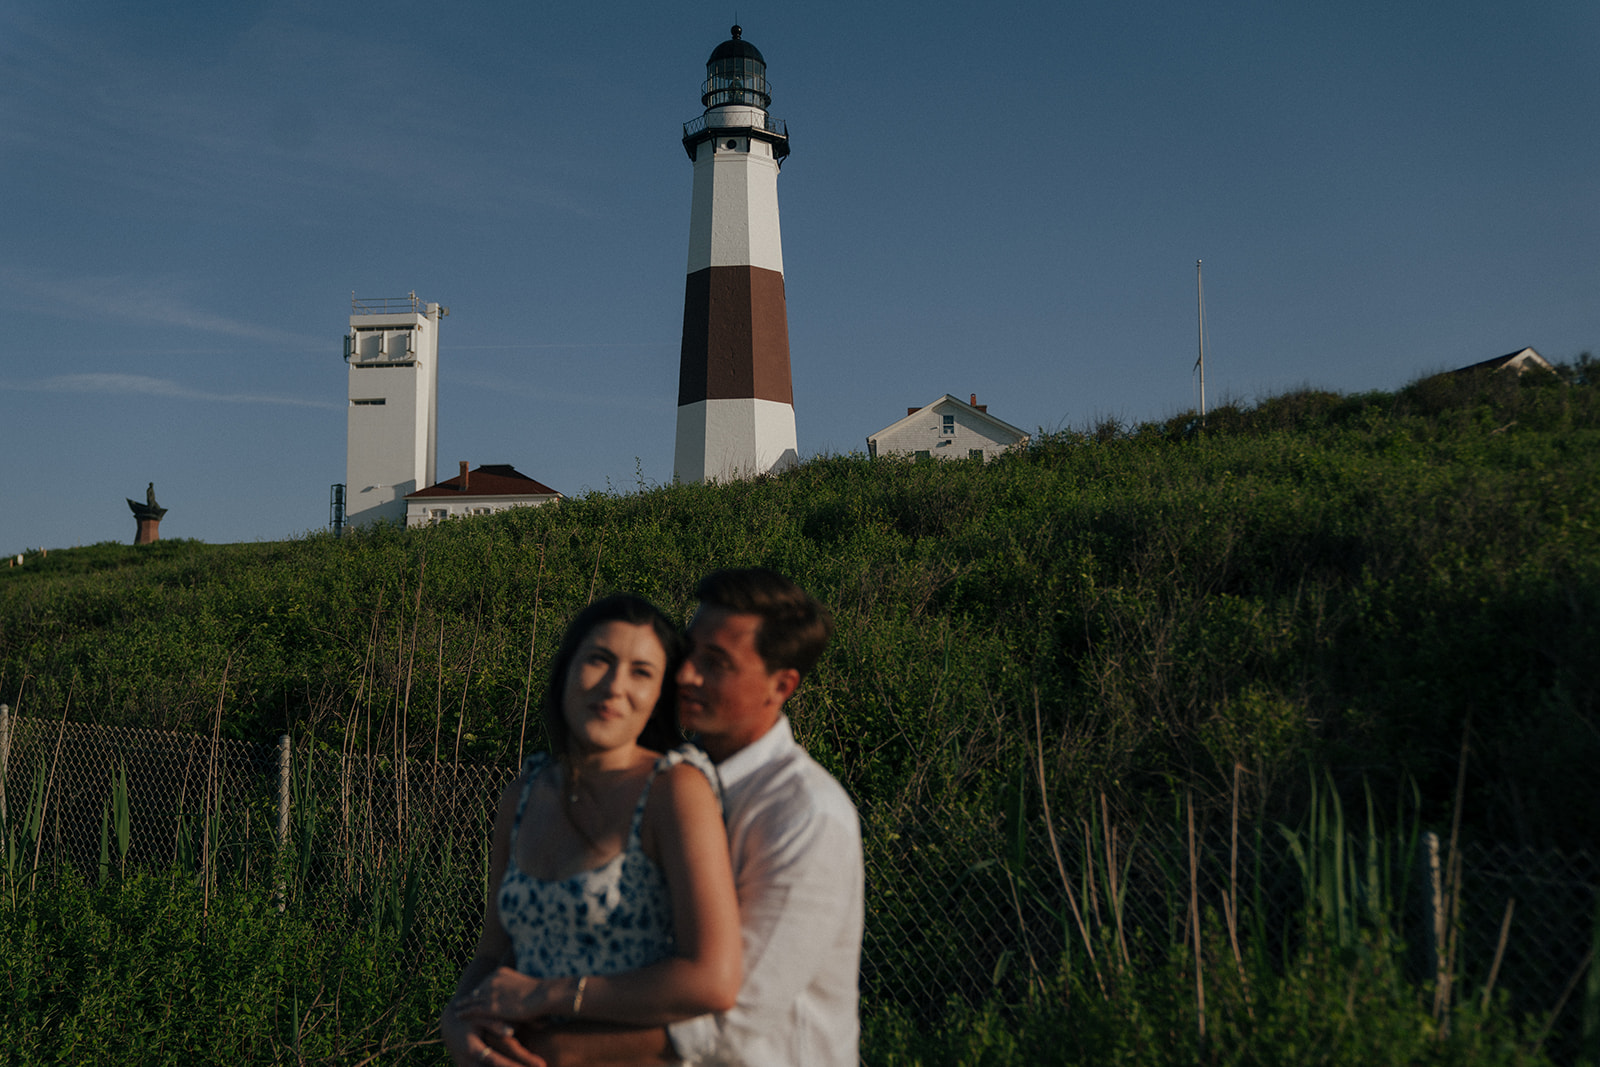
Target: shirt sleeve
800,907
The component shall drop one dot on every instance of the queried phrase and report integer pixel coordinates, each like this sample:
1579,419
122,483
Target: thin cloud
502,386
141,385
123,298
586,344
204,131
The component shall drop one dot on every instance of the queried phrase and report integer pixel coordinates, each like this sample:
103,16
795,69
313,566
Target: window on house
438,515
922,453
975,453
949,425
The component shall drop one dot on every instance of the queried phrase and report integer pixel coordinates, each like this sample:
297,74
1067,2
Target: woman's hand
510,996
474,1044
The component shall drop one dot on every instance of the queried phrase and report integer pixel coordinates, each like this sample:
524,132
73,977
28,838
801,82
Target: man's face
726,695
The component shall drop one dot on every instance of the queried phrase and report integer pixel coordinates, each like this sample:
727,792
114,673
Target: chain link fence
961,904
63,772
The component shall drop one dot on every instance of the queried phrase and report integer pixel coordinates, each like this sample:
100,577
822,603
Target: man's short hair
795,626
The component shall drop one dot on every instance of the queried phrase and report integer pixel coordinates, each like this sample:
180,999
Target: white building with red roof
492,487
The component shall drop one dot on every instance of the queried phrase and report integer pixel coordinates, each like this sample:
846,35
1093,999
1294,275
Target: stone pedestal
149,531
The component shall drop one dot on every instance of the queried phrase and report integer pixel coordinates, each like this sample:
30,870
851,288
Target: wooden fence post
5,756
1435,929
283,814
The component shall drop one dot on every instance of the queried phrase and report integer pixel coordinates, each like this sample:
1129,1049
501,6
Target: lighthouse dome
736,46
736,74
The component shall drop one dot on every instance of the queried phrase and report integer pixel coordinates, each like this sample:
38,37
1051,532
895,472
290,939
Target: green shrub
143,970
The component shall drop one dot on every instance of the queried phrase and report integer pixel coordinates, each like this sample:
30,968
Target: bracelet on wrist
577,996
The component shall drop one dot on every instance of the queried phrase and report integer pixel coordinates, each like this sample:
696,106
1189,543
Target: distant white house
492,487
1522,360
947,429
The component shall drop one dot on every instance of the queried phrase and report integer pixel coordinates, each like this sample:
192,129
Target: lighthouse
735,398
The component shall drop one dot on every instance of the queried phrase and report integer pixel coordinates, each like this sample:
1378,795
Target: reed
117,817
18,869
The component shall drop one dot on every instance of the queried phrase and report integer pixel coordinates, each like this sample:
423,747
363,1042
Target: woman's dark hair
661,732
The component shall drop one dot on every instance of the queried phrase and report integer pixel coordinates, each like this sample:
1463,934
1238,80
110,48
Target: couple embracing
656,902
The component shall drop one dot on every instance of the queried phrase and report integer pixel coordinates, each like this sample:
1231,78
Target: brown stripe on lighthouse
735,336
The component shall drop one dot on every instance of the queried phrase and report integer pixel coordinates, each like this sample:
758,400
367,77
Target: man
794,838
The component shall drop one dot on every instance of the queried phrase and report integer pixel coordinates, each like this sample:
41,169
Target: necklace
575,793
579,788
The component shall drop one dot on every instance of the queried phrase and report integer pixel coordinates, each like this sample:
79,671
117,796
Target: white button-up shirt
795,841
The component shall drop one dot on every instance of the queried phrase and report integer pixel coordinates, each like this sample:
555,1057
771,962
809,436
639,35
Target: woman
609,879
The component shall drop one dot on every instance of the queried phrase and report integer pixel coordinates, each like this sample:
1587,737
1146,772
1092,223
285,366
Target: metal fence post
283,814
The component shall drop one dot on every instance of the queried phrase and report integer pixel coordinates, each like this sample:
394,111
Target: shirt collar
757,753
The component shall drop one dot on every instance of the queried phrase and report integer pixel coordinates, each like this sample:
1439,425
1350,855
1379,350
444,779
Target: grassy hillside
1346,581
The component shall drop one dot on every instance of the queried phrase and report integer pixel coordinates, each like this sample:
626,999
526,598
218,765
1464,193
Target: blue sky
1005,200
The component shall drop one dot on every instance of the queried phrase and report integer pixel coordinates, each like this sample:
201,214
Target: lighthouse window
377,400
735,80
732,144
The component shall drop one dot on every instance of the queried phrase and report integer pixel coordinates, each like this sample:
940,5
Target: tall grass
350,961
122,973
311,949
1137,630
1334,578
1226,979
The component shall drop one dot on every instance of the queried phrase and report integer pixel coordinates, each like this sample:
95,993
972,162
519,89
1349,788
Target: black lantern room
736,75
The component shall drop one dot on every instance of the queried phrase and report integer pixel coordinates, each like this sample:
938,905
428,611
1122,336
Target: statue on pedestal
148,516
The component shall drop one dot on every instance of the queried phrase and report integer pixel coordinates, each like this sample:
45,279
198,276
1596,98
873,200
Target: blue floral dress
616,917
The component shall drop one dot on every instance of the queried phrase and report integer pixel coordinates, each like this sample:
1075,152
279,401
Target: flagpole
1200,299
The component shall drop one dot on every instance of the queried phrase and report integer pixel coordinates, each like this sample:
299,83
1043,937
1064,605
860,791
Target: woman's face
612,686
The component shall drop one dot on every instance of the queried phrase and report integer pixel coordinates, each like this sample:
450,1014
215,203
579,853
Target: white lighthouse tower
735,398
391,442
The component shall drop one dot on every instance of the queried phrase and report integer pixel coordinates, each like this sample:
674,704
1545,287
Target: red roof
491,479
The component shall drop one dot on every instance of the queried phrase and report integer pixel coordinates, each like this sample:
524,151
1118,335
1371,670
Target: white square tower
391,442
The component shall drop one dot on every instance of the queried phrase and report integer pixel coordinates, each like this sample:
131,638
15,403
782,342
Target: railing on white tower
386,305
768,123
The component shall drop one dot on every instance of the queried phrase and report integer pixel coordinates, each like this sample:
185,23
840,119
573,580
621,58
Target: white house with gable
492,487
1521,361
947,429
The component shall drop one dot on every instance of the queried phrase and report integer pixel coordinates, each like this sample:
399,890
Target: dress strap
686,753
531,768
